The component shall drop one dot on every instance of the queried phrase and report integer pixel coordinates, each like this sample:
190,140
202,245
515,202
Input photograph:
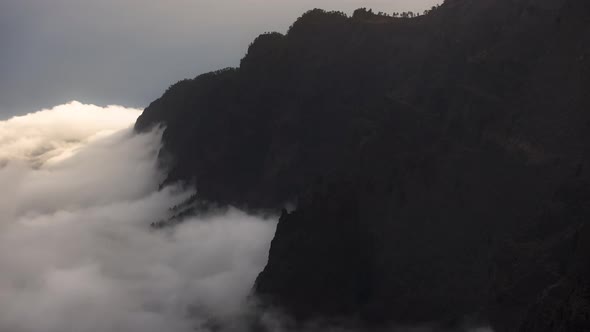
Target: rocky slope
439,164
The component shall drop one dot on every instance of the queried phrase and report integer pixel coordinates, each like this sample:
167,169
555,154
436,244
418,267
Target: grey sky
128,51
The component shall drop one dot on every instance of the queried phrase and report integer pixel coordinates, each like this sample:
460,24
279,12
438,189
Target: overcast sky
128,52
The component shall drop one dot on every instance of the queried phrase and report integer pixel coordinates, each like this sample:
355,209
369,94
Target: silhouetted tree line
368,13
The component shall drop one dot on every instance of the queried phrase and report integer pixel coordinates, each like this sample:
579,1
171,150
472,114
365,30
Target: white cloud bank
79,191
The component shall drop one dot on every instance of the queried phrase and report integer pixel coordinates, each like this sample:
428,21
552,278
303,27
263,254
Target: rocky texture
564,306
439,164
541,278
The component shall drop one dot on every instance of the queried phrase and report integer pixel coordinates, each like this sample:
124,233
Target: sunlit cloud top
54,134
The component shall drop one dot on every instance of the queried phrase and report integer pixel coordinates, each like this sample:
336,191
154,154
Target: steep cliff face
565,305
436,162
540,277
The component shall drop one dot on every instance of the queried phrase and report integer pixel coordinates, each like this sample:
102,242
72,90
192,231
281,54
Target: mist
77,252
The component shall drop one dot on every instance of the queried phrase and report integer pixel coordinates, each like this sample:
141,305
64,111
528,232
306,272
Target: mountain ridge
438,163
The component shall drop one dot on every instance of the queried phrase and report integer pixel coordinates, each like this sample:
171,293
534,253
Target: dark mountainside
439,164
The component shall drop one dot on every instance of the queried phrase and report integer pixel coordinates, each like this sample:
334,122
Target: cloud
76,250
58,132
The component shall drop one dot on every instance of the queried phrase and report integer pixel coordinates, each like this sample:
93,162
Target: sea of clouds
77,253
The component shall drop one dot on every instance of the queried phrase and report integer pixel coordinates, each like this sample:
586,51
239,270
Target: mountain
439,164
